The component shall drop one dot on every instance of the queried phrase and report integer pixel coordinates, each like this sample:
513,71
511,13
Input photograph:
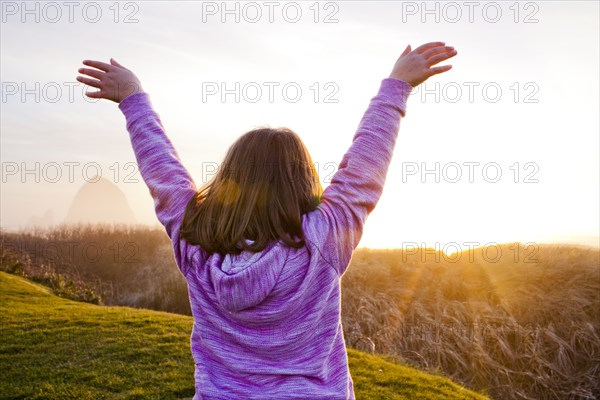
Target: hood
245,280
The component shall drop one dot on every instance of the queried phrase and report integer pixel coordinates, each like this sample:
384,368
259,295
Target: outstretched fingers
441,57
94,73
99,64
114,62
91,82
423,48
94,95
406,51
114,80
439,70
436,50
98,74
415,67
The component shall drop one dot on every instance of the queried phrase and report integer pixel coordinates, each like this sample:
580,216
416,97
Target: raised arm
357,186
170,184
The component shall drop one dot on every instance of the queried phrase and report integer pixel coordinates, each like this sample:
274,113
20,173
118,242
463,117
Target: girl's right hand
415,67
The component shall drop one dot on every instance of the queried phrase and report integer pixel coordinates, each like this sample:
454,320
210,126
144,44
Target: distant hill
100,201
54,348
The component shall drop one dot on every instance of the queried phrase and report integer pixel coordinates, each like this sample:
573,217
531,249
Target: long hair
260,192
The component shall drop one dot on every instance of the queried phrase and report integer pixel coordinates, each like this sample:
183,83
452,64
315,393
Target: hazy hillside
61,349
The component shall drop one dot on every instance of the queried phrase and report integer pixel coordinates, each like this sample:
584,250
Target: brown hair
263,187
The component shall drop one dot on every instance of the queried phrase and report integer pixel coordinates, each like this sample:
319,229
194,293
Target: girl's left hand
114,80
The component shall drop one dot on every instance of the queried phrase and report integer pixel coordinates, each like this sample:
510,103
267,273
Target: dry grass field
518,321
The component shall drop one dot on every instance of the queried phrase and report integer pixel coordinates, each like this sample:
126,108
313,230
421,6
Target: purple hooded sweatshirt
268,325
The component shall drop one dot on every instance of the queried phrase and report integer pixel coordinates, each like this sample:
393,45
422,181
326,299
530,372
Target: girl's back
267,324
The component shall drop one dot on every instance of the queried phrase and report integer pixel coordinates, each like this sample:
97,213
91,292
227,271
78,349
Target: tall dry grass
524,325
126,265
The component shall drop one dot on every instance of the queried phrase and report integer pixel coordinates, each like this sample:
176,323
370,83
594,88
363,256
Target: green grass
54,348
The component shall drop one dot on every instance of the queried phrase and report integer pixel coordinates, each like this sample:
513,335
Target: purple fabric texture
268,325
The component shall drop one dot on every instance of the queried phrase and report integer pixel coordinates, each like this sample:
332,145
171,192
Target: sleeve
170,184
358,183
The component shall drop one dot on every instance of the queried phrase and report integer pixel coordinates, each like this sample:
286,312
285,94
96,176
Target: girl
262,246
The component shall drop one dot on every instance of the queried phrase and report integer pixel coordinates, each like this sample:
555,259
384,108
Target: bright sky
522,97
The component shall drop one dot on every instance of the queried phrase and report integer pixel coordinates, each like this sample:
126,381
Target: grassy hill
54,348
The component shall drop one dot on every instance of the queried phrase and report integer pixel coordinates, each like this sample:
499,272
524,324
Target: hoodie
267,325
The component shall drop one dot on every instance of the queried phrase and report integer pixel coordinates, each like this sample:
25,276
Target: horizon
448,248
